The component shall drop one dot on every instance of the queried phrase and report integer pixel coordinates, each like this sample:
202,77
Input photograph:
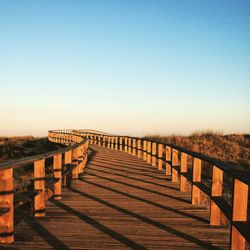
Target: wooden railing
67,163
186,166
183,165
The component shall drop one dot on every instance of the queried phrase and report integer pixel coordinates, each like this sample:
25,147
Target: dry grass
18,147
234,149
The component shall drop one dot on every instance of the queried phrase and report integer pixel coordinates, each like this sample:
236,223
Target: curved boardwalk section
121,202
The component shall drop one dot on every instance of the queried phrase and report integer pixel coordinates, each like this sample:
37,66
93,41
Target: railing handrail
229,169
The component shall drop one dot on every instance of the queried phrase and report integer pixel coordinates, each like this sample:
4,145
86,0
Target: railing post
129,146
85,154
109,142
80,159
168,160
239,213
160,154
183,179
153,154
196,193
134,147
116,143
217,183
68,140
175,163
57,167
67,162
104,141
139,154
126,144
6,201
112,142
75,164
144,150
149,152
39,184
120,140
99,140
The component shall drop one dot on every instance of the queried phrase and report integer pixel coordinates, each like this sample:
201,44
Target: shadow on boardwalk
121,203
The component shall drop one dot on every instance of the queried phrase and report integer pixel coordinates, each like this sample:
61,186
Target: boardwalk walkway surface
120,202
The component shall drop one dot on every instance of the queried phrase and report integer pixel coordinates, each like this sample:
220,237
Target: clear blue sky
130,67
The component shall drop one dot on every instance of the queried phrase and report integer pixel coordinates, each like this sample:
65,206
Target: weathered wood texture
121,202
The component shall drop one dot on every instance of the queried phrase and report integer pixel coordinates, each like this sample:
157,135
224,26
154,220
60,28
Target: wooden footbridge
104,191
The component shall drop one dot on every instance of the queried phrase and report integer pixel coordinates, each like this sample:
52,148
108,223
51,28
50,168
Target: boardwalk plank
120,202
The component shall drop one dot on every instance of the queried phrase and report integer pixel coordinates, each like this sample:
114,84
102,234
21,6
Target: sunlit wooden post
175,164
57,167
139,153
183,179
114,140
134,147
63,135
67,164
153,154
85,154
116,143
120,146
126,144
144,150
217,183
39,184
129,146
168,160
239,214
104,141
100,140
6,201
81,155
68,139
109,142
196,193
75,164
160,154
149,152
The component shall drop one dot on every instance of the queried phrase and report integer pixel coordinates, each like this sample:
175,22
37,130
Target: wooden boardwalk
120,202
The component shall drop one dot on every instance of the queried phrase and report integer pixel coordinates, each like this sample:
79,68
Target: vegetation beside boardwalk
233,149
17,147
